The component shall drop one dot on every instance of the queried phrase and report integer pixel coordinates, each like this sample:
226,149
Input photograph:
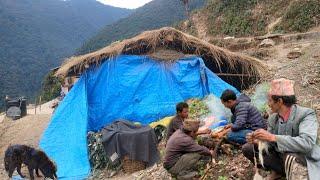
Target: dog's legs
12,167
19,170
37,172
31,173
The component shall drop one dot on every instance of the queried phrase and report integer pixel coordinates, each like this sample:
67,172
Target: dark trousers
187,163
272,161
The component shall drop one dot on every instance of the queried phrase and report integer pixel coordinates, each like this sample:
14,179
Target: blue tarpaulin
135,88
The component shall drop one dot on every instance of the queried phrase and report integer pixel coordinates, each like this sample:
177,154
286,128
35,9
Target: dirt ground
304,70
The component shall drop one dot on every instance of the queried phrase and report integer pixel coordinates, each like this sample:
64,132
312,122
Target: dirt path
272,25
304,70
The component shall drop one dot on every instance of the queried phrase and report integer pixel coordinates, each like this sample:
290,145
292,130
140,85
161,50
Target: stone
295,53
266,43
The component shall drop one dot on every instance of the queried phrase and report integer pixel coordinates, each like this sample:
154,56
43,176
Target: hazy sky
130,4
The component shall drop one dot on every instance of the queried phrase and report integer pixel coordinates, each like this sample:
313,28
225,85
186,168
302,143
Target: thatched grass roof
150,42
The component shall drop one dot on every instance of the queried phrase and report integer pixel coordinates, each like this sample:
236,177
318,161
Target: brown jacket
179,144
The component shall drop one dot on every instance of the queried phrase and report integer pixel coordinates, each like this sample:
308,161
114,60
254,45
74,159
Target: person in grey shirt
291,136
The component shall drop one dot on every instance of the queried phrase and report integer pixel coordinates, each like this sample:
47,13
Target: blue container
219,124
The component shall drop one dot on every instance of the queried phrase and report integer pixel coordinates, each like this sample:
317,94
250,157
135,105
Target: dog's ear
55,176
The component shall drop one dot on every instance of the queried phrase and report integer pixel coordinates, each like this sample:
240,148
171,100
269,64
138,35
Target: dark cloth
125,138
179,144
272,160
246,116
175,124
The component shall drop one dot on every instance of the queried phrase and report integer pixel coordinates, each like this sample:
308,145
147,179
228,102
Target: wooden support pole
228,74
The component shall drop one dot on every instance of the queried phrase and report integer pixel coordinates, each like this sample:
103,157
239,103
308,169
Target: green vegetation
222,178
36,35
300,16
51,87
235,18
251,17
197,108
156,14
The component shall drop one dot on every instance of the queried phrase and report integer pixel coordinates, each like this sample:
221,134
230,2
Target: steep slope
254,17
36,35
157,13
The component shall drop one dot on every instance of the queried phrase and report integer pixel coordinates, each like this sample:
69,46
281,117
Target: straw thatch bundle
170,39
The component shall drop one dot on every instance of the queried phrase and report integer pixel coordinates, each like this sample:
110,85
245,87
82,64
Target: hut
138,79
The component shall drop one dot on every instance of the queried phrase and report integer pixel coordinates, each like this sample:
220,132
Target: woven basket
130,166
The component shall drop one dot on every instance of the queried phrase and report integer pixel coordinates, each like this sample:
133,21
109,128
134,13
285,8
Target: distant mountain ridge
36,35
153,15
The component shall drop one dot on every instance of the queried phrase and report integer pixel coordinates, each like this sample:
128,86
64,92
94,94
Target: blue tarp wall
135,88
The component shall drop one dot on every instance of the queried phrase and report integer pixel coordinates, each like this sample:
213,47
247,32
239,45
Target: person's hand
213,154
250,138
264,135
207,131
228,126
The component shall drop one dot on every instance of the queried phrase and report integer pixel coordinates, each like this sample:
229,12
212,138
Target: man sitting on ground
245,117
291,136
182,109
183,154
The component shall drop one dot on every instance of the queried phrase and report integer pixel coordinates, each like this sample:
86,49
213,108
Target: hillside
243,18
156,14
36,35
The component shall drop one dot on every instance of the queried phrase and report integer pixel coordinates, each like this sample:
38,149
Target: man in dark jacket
245,117
183,154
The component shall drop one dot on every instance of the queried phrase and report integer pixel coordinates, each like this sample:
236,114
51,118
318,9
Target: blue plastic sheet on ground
135,88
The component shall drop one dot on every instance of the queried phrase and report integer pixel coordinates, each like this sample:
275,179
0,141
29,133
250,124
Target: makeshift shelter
139,79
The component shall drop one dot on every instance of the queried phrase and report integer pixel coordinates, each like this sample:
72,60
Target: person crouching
245,117
183,155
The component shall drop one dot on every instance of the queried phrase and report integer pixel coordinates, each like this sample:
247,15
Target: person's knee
230,134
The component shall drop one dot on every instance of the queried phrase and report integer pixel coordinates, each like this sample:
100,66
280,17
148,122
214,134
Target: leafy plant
97,155
51,87
197,108
222,178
